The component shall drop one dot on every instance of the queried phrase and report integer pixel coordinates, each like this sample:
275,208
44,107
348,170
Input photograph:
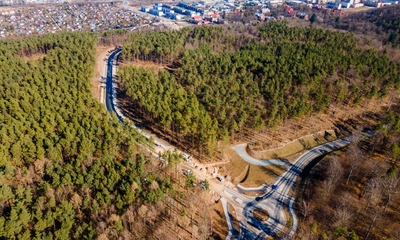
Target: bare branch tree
306,209
342,216
372,189
354,154
335,172
391,186
395,232
142,212
346,200
376,213
191,203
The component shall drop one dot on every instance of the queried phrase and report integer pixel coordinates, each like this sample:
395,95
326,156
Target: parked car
220,179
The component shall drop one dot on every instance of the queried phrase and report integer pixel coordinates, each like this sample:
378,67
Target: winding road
240,149
110,90
273,200
111,96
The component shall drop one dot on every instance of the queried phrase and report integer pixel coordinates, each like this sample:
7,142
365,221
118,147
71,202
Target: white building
356,5
340,5
156,12
145,9
167,10
157,8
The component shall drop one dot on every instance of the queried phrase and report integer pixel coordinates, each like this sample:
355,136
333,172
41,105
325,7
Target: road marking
238,200
228,194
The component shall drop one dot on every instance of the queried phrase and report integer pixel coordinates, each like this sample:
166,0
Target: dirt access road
100,72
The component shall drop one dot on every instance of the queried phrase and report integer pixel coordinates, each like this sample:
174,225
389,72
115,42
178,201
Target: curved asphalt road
110,98
273,200
240,149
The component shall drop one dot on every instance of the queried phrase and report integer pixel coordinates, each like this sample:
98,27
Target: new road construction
272,199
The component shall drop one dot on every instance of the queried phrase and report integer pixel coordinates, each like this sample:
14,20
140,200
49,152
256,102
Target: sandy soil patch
149,65
220,226
100,71
342,119
250,175
359,9
34,56
296,146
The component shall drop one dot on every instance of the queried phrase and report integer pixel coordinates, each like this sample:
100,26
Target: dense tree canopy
278,73
63,157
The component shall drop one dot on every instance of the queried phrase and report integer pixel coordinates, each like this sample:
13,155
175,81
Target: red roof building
197,18
214,15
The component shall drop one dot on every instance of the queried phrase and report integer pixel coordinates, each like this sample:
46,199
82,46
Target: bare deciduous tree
372,189
134,187
142,212
395,232
345,200
191,203
151,214
129,219
391,186
335,170
376,213
354,155
342,216
306,209
126,235
102,228
334,173
76,201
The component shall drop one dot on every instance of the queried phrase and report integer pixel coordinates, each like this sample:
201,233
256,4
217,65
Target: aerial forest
221,85
68,169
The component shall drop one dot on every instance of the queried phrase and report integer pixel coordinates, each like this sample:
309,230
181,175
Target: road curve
273,200
240,149
111,97
109,85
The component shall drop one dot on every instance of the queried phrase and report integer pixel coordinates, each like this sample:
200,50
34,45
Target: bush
314,227
289,222
118,226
